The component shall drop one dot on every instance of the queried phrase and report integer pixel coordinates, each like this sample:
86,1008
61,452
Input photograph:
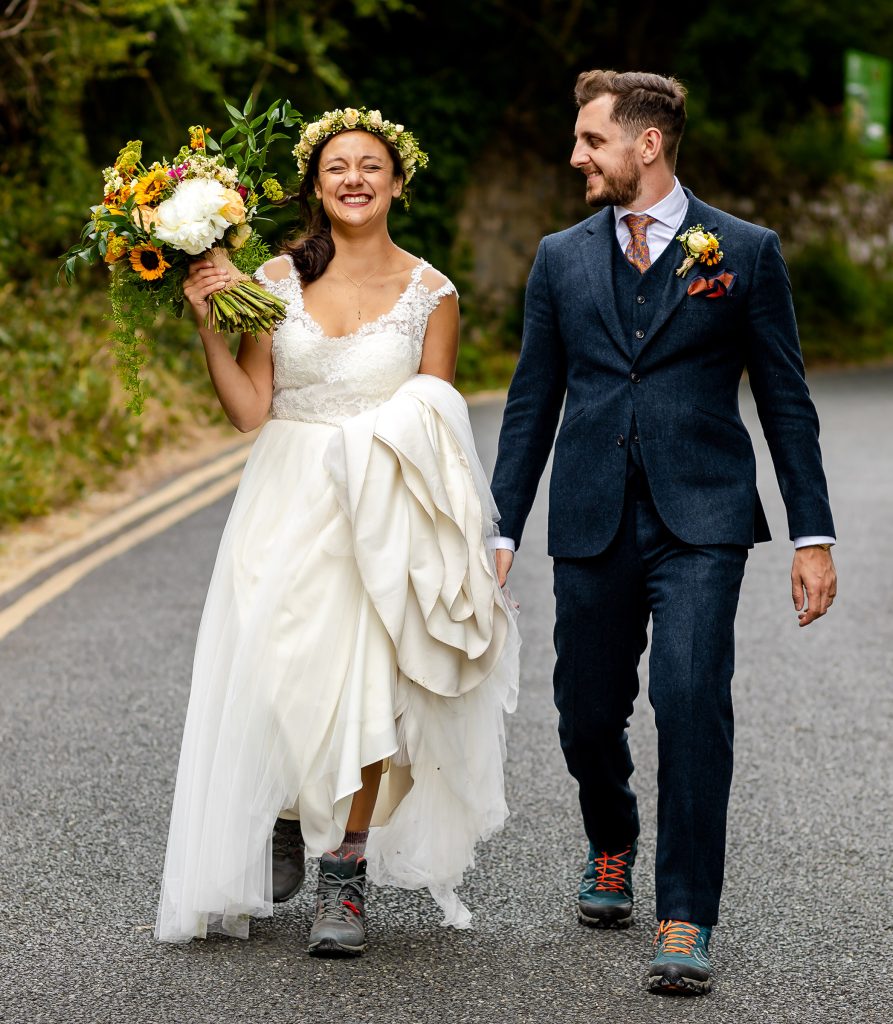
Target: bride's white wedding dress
352,617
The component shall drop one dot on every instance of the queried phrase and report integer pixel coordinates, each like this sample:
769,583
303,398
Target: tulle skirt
295,688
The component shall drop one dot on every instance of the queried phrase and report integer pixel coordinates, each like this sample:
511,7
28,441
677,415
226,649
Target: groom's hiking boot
288,859
340,925
606,890
681,965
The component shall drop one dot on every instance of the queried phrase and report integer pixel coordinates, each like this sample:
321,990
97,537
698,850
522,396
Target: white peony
191,220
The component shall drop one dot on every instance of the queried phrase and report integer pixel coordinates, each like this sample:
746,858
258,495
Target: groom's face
606,156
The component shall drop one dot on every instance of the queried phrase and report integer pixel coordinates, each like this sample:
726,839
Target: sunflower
148,261
151,185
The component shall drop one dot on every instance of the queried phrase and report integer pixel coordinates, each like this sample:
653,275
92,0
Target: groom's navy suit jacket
678,384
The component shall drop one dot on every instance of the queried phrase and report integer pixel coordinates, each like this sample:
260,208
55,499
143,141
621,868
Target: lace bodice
321,379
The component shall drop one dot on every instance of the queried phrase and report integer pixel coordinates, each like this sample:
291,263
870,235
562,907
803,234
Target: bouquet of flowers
155,219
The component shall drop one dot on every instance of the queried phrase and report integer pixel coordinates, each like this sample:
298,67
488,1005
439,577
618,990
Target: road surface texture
94,689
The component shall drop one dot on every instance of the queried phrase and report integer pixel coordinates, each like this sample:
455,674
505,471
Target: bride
355,655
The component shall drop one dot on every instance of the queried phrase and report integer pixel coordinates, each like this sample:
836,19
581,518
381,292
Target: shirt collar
670,210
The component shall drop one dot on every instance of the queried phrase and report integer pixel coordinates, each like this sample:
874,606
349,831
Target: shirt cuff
496,543
806,542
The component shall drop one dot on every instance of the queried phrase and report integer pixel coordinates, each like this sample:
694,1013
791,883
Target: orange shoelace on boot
611,871
678,936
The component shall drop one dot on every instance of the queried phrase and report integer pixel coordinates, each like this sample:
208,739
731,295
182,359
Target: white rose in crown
375,119
192,219
351,117
313,132
700,241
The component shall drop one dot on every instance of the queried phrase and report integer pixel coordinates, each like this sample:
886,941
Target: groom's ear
652,143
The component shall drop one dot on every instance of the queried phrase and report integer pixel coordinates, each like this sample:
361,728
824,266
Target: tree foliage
485,84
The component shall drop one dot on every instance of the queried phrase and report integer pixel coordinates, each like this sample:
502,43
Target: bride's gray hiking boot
288,859
340,925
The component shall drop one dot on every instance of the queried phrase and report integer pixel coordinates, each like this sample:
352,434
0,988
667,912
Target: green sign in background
868,81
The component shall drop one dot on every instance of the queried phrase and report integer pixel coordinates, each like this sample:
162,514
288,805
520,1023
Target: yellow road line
175,490
13,616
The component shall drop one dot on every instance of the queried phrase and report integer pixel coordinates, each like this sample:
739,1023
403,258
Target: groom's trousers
603,605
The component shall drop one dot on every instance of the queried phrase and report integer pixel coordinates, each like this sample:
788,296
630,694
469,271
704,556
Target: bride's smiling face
356,180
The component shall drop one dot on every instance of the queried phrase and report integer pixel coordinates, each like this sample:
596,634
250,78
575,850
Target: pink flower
243,192
178,172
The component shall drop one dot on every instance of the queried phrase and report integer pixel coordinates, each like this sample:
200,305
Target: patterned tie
637,247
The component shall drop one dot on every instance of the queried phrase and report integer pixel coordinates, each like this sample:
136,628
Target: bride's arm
244,384
441,345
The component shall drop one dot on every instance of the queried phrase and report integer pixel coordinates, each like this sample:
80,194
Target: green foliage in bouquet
155,220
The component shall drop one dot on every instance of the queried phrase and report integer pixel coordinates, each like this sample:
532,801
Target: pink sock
354,843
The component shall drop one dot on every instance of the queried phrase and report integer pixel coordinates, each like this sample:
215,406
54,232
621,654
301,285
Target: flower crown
332,122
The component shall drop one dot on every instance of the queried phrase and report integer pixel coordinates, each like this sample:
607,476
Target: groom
653,501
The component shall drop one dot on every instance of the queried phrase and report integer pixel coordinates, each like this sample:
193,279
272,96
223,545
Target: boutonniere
699,246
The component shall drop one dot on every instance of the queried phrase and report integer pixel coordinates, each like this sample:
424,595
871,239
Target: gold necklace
358,286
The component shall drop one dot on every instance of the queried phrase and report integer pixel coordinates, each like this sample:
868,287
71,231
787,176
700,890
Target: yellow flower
115,248
129,156
151,186
273,190
148,261
197,136
239,236
350,117
234,207
700,241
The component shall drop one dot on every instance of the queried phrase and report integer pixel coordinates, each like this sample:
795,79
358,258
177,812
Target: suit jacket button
620,440
635,378
640,334
640,299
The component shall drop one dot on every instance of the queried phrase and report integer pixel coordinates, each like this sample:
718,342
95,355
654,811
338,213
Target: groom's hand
504,559
813,580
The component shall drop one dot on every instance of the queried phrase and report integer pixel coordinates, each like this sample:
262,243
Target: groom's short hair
641,100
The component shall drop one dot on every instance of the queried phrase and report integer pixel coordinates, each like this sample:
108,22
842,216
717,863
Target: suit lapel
677,287
597,256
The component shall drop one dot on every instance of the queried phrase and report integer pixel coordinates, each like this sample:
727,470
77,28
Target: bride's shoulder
277,269
434,281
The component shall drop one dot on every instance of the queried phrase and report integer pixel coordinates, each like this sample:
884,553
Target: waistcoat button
640,334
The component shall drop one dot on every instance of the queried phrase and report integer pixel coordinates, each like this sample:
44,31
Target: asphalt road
93,692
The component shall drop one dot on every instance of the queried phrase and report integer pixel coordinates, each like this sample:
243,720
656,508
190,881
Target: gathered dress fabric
353,616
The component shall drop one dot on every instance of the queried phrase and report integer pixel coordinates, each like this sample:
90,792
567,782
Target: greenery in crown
332,122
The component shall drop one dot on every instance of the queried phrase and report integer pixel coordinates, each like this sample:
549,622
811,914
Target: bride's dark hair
312,251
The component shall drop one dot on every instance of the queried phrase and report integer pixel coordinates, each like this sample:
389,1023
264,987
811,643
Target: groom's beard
618,189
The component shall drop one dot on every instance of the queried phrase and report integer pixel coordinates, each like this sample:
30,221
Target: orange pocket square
713,287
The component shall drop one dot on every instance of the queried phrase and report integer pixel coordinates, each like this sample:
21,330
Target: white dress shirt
669,214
